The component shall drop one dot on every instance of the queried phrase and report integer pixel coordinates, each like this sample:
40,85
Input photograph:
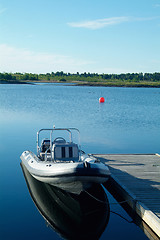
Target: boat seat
65,151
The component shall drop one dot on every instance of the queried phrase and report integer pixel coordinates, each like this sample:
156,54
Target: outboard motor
45,145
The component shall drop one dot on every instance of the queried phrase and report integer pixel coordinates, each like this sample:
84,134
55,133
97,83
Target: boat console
58,149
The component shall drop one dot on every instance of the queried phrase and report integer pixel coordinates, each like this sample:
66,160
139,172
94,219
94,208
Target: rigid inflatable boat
62,164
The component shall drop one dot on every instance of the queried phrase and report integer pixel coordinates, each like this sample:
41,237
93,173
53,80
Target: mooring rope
110,204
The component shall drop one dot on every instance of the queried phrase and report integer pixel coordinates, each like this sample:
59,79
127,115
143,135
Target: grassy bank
121,84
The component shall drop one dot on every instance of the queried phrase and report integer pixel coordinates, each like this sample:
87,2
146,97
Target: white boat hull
70,176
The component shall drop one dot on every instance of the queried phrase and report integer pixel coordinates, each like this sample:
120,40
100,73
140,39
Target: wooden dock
136,179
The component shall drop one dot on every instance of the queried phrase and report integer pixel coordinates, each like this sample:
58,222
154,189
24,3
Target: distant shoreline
112,84
14,82
147,80
93,84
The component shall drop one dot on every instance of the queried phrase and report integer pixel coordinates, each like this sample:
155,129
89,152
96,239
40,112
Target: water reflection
83,216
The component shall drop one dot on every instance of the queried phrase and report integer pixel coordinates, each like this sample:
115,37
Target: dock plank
137,178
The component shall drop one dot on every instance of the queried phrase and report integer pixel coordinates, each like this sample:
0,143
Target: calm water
128,122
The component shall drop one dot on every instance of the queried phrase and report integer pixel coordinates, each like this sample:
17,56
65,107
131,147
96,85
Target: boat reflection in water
83,216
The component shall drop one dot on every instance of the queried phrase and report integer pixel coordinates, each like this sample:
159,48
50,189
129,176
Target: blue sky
102,36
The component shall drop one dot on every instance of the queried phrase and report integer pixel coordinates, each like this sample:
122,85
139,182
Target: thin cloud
21,60
144,18
99,23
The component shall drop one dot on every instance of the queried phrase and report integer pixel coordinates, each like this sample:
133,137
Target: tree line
18,76
95,77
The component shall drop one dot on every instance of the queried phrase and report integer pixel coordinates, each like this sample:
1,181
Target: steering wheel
59,138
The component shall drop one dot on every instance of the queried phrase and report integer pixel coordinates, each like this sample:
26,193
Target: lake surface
128,122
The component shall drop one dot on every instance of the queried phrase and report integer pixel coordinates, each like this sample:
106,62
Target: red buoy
101,99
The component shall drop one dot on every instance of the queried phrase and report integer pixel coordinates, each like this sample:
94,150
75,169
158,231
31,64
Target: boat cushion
65,151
